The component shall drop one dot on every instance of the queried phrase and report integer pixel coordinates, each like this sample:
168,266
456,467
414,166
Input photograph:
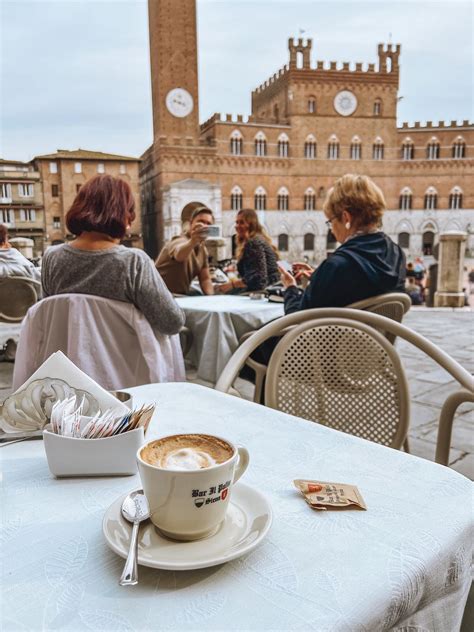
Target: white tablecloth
217,323
401,565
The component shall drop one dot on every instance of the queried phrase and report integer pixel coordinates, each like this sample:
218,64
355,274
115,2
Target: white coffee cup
190,504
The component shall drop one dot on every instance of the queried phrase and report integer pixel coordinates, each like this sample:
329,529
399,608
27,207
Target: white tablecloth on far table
217,323
401,565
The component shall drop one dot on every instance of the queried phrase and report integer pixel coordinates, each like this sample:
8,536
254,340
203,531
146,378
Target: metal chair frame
457,372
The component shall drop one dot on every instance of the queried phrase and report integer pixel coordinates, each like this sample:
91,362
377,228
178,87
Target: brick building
21,202
310,123
63,173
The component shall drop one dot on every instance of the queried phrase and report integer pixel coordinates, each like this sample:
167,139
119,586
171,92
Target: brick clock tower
174,71
171,168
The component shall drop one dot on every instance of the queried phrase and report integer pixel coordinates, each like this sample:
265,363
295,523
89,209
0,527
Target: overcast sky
76,73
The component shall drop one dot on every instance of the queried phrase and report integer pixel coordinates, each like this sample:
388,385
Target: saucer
247,522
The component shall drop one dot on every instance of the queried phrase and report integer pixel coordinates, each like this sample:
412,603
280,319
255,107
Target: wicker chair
17,295
349,369
393,306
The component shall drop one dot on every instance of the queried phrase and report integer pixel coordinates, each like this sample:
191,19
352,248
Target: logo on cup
199,502
224,494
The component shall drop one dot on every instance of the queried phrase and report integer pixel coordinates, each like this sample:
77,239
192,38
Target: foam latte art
187,459
187,452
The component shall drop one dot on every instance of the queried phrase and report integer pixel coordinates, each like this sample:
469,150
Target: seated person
95,262
366,264
414,291
185,257
12,262
256,256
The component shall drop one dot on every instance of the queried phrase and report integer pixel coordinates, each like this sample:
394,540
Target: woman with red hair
95,262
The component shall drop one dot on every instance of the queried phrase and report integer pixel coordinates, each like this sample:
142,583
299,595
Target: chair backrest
342,374
393,306
109,340
17,295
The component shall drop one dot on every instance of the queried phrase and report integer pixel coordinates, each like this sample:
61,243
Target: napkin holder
110,456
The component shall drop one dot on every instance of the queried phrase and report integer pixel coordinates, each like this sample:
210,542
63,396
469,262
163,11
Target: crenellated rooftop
417,125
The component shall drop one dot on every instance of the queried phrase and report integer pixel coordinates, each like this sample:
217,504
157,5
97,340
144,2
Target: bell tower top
174,70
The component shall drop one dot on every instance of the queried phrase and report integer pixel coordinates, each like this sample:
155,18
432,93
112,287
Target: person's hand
286,278
223,288
302,270
198,233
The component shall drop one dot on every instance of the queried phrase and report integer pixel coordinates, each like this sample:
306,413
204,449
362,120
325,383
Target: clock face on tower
179,102
345,103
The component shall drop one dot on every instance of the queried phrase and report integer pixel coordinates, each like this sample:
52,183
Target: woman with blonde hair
367,262
256,256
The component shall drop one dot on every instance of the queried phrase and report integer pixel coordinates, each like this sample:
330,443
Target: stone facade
21,202
310,124
63,173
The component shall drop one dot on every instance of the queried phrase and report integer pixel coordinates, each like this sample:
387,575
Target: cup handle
242,463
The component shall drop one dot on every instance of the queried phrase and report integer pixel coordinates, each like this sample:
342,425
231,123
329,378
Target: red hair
103,204
3,234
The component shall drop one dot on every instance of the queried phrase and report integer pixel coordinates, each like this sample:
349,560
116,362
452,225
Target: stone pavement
453,331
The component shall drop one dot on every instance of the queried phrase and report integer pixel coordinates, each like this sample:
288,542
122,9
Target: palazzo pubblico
310,123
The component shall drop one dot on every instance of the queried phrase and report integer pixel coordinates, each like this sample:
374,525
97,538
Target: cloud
77,73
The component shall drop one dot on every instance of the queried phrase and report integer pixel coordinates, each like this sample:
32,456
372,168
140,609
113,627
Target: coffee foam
187,452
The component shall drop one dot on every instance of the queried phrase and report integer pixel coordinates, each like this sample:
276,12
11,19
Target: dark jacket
363,266
258,264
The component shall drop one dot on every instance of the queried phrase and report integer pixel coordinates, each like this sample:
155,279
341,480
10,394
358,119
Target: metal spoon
135,509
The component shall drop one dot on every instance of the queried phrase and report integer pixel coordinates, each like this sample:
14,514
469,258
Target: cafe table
217,323
401,565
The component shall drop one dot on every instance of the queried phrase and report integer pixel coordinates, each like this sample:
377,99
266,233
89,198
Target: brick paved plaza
453,331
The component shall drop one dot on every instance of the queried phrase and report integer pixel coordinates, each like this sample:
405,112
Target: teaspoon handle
130,570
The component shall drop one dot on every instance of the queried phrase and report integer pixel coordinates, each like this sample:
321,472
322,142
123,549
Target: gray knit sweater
119,273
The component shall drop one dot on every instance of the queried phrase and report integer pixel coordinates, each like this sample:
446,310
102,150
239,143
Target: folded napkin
29,408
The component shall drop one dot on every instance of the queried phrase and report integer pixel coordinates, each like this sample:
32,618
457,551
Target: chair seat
109,340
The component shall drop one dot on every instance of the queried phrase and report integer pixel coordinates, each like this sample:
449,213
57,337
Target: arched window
404,240
309,199
406,199
377,107
283,199
312,105
459,148
260,144
308,241
377,149
408,149
432,149
356,148
283,146
236,199
310,147
455,198
428,242
331,242
260,199
236,143
333,148
283,242
431,199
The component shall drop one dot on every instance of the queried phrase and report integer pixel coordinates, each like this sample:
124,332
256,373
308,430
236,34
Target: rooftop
83,154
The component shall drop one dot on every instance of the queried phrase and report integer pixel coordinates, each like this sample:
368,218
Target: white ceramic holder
110,456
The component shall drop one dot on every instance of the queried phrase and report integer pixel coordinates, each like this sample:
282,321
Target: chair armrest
445,427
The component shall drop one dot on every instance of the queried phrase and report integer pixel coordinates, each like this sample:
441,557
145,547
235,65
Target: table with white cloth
401,565
217,323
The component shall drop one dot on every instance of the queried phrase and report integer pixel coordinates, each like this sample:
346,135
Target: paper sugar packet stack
323,495
29,408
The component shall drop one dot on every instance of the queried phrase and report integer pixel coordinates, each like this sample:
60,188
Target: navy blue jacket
363,266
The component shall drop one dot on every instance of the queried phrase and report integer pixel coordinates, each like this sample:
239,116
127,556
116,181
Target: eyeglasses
329,222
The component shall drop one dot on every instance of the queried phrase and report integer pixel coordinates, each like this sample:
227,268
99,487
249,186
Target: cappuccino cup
187,480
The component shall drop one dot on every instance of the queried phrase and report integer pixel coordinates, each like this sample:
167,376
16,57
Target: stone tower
174,70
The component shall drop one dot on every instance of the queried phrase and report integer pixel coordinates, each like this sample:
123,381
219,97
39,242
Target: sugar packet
323,495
